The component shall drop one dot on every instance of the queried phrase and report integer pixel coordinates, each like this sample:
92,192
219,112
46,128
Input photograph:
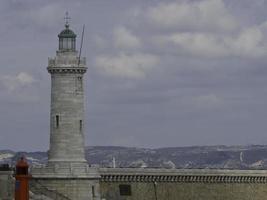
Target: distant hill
220,157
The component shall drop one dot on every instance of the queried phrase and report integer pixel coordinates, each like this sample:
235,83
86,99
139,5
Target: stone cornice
185,179
184,176
64,70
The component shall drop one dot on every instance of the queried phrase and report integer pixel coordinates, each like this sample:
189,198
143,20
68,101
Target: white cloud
14,82
248,43
201,15
204,28
197,44
129,66
123,38
99,42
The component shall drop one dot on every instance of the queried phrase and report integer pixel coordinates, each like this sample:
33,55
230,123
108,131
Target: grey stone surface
184,184
7,183
184,191
38,196
73,183
40,191
69,188
65,170
67,108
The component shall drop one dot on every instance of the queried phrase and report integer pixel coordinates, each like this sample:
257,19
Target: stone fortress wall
182,184
149,184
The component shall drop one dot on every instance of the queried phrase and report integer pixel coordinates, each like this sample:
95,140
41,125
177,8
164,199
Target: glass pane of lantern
60,43
73,44
64,43
69,43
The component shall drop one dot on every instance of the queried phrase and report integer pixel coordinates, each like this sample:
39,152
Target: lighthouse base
66,181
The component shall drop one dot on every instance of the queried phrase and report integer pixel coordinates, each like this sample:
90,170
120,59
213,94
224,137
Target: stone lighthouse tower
67,172
67,102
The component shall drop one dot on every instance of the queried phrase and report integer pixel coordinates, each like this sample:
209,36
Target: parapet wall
183,184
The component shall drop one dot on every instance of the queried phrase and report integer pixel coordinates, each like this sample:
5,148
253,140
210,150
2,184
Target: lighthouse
67,71
67,174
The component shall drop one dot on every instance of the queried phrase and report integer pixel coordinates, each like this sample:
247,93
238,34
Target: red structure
22,180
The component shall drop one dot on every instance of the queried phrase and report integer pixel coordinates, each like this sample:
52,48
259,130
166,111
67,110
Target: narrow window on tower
79,83
81,125
93,191
57,121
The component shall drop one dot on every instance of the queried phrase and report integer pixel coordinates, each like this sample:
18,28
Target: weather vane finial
67,18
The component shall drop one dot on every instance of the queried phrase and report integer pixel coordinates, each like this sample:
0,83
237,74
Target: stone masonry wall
67,108
185,191
73,189
163,184
6,185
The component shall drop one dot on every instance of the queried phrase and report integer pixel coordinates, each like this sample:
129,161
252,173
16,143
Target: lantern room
67,39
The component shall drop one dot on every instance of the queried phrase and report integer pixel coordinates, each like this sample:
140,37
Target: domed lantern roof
67,33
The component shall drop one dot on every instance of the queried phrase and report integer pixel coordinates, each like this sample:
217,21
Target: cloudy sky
161,73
